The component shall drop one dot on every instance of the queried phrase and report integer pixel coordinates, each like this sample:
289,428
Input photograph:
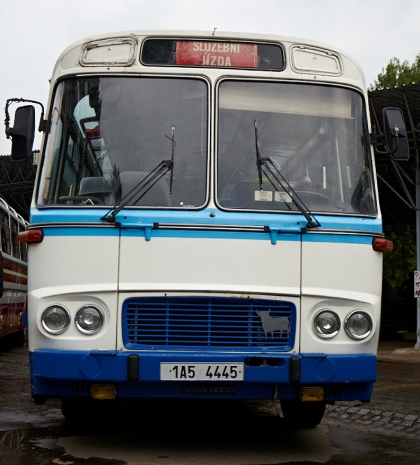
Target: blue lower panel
68,374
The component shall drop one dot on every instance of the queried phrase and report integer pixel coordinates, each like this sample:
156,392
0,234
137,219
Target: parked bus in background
14,274
205,223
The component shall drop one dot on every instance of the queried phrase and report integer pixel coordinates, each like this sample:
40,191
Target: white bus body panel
73,271
210,265
342,277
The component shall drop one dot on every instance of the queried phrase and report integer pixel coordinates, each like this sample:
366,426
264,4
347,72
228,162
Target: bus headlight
358,325
89,319
55,319
327,324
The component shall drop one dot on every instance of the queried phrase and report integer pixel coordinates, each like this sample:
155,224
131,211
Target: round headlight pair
56,319
327,324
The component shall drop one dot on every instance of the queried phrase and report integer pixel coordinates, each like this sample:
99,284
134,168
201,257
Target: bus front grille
208,323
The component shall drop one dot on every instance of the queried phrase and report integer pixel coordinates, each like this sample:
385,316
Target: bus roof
121,52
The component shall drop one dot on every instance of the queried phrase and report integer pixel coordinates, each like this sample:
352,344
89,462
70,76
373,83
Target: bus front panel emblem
271,324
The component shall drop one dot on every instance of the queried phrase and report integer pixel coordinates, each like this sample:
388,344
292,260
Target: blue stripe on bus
193,234
139,223
337,238
72,231
188,234
130,216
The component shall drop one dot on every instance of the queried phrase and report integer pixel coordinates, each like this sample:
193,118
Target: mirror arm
43,123
374,142
19,132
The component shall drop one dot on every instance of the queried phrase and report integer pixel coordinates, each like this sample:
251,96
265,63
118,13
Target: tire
76,410
302,414
20,337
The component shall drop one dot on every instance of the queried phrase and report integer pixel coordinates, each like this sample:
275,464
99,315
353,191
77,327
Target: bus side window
23,247
3,239
4,232
15,238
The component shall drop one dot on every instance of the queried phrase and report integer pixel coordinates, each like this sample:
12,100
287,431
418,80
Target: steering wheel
81,199
306,195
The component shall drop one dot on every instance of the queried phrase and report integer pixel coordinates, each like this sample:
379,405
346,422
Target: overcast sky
34,32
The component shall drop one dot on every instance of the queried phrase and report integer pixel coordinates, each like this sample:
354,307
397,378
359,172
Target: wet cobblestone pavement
394,408
373,420
17,410
383,432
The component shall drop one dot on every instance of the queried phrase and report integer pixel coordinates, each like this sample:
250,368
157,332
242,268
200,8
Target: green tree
397,73
403,259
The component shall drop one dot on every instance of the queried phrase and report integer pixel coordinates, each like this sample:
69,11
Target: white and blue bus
205,223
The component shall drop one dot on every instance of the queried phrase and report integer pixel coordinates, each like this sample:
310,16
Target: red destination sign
219,54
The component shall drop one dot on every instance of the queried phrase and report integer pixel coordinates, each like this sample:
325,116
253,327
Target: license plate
201,371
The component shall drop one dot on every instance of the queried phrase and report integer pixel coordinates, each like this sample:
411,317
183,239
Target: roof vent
118,51
312,60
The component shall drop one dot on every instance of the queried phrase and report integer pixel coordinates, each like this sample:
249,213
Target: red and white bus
14,276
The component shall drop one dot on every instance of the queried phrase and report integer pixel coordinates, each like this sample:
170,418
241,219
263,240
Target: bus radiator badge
271,325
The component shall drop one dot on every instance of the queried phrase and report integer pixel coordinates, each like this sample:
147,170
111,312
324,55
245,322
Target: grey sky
34,33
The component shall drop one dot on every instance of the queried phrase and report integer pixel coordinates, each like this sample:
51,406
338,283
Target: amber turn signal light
382,245
312,394
103,392
32,236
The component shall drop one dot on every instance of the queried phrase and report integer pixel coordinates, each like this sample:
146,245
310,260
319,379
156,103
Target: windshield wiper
267,164
172,139
143,186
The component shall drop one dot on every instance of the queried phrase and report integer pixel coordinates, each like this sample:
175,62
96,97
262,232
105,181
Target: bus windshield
109,133
312,135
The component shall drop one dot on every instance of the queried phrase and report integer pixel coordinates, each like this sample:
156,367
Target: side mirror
396,134
23,133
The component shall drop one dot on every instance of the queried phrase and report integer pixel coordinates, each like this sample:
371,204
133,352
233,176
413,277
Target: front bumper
137,374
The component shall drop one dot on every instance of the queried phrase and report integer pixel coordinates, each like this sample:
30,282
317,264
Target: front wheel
77,410
302,414
21,337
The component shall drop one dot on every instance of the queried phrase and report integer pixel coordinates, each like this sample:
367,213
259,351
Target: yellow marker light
312,394
103,392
